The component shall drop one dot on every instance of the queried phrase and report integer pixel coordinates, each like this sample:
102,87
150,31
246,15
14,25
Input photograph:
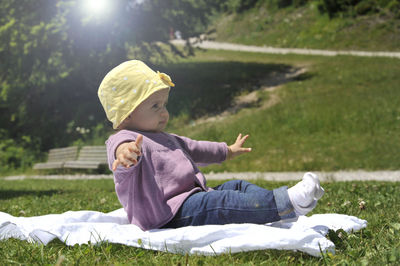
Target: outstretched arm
236,148
127,153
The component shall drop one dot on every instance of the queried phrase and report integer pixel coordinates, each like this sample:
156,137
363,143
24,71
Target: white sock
305,194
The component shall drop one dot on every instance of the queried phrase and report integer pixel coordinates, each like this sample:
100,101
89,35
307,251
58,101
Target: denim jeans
235,201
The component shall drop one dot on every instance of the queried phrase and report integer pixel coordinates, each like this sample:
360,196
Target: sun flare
96,6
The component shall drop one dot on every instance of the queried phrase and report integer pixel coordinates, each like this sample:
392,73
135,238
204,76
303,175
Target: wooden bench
90,157
57,158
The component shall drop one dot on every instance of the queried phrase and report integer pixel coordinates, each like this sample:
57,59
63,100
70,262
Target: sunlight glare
96,6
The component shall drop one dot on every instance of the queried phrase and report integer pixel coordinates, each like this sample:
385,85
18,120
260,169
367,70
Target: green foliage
366,7
306,27
331,7
286,3
336,6
54,55
394,7
16,154
355,7
238,5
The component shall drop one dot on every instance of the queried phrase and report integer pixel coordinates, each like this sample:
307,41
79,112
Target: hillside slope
306,27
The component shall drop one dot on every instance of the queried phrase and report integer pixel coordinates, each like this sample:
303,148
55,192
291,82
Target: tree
54,54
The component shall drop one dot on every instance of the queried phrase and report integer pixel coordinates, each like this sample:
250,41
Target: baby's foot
305,194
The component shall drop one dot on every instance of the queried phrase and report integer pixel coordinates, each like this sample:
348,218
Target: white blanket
81,227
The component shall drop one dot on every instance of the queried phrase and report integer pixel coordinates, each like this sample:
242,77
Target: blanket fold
307,234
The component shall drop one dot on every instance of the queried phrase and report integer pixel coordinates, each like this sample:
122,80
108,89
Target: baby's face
151,115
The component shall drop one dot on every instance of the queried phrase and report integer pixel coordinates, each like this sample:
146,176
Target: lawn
306,27
343,113
377,244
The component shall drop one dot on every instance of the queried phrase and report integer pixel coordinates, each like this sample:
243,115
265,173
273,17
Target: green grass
305,27
377,244
342,114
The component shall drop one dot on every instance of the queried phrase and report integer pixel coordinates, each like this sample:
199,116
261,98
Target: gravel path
272,50
392,176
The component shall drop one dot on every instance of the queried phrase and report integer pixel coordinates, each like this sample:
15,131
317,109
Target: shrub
332,7
16,154
394,7
243,5
238,5
357,7
286,3
365,7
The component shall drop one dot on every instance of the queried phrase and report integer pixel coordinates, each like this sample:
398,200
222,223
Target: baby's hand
236,148
127,153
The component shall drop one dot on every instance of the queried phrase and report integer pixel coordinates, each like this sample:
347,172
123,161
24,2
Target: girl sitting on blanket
156,174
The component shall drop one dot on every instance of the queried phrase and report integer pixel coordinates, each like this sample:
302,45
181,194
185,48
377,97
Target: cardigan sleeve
204,152
113,143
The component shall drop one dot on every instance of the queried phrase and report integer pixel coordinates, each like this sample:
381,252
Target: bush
286,3
238,5
357,7
365,7
246,4
394,7
332,7
16,154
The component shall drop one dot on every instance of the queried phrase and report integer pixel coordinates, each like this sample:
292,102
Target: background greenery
54,55
343,113
313,24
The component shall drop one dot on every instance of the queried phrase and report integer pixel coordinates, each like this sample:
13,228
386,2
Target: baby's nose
164,111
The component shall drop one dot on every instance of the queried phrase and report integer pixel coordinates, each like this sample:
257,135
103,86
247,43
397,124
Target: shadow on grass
204,88
8,194
101,170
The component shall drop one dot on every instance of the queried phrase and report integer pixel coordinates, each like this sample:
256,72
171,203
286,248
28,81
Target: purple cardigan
153,190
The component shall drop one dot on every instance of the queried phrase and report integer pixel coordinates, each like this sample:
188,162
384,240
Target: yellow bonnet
128,85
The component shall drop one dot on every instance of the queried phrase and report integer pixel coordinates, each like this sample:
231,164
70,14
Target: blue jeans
235,201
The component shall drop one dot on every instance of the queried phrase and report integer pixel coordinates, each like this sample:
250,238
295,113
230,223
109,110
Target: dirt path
272,50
